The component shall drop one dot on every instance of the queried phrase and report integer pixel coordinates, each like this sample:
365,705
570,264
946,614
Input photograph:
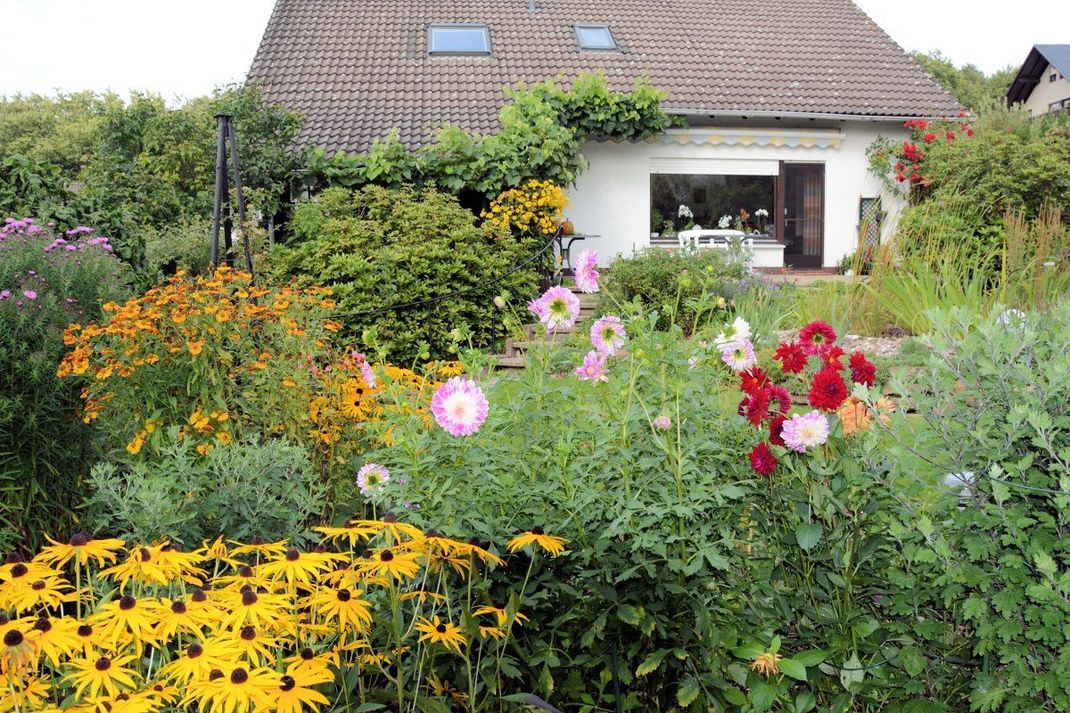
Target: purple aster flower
557,308
585,272
29,294
739,356
4,294
607,334
459,407
593,367
372,477
663,423
802,432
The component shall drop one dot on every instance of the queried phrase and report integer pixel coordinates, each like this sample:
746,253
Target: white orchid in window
684,212
761,213
725,222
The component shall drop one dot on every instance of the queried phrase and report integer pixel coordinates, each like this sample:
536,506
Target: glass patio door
801,198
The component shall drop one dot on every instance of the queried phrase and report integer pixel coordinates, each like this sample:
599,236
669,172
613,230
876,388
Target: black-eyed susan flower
392,528
245,575
353,532
263,609
390,564
181,565
256,646
178,617
56,638
297,568
127,619
28,693
199,659
80,548
535,536
141,565
18,652
47,592
217,550
295,693
500,615
259,547
241,690
103,675
344,607
446,633
306,660
442,689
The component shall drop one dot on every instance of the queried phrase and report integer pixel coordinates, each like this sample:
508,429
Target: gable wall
1046,92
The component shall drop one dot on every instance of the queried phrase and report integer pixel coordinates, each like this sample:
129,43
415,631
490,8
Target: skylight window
595,37
458,40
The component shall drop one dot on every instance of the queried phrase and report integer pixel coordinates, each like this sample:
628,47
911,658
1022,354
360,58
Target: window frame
595,26
432,52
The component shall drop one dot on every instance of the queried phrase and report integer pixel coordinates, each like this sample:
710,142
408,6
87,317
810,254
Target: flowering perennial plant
534,208
380,611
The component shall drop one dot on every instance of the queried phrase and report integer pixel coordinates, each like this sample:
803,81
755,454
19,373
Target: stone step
503,362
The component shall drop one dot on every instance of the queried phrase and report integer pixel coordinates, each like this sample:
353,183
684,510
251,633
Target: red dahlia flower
755,407
830,356
780,395
753,379
827,391
929,138
815,334
775,427
762,460
863,371
792,357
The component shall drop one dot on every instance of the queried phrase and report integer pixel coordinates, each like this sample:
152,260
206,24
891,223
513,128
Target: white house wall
611,198
1047,92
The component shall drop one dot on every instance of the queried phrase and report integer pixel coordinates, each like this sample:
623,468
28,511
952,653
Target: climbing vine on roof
543,127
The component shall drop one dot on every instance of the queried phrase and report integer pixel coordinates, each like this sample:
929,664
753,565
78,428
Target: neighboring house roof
1038,60
358,68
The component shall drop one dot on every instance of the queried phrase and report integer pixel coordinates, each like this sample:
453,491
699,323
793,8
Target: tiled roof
358,68
1035,63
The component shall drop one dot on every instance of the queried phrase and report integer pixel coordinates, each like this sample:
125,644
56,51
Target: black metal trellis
222,216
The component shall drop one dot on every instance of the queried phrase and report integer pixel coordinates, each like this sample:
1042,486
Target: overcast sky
184,48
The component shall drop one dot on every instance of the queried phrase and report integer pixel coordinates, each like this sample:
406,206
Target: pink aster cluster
593,368
459,406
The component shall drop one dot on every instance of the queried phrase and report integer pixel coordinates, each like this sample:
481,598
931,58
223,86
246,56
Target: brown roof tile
358,68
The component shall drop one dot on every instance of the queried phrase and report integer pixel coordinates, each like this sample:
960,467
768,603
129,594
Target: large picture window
682,201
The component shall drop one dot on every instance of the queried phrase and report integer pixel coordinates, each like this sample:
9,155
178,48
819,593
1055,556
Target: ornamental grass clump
379,613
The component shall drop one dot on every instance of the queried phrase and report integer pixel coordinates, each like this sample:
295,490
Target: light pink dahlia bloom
372,477
802,432
366,371
593,367
663,423
739,356
607,334
585,272
558,308
459,407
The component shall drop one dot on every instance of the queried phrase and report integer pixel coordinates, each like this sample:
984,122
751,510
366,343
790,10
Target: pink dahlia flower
366,371
593,367
739,356
459,407
372,477
558,308
585,272
607,334
802,432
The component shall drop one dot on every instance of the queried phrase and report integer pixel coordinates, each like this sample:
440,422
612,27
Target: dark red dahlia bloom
827,391
762,460
830,356
755,407
775,428
780,396
816,334
753,379
792,357
863,371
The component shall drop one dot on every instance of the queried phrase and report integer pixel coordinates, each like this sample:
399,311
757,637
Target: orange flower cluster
533,208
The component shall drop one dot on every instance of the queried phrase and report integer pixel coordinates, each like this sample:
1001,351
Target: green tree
972,87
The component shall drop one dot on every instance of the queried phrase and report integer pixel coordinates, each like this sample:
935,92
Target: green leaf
808,534
805,702
734,696
630,614
652,662
367,707
1045,563
810,657
431,705
911,660
748,651
688,691
762,697
792,668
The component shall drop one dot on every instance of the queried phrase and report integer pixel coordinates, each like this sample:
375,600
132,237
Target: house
781,99
1041,84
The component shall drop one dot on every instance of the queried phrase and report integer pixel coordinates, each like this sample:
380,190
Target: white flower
738,331
684,212
761,213
725,222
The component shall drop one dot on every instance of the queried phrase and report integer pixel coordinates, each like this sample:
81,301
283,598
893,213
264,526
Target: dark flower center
248,633
79,540
245,571
249,598
38,585
287,683
19,570
239,676
386,555
258,540
432,533
307,654
320,549
4,619
199,596
103,663
441,628
145,554
85,630
344,595
537,530
475,542
123,697
13,638
43,624
194,650
215,674
292,555
367,554
178,606
127,602
390,517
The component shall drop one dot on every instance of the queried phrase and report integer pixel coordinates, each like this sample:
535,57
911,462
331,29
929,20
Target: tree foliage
972,87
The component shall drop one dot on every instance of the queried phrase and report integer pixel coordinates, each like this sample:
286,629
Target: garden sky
184,48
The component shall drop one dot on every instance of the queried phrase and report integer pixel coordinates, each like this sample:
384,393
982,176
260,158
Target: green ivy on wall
543,128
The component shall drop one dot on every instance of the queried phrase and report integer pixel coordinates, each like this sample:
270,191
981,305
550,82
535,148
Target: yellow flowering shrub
533,208
379,611
223,359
